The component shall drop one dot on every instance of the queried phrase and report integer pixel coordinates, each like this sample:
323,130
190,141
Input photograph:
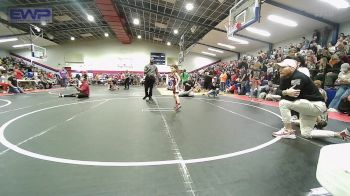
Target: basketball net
232,29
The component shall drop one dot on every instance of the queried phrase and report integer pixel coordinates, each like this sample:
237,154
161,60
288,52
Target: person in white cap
300,94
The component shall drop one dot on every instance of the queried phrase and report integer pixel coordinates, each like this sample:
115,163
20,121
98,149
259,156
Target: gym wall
111,55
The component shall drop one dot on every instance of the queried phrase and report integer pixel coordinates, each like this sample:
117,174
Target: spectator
316,36
184,76
321,120
214,89
325,53
63,77
207,81
3,81
332,70
231,89
344,87
2,68
13,84
302,67
223,78
305,42
18,73
243,63
188,89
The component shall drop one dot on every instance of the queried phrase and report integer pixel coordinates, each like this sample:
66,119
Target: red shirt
84,88
50,75
19,74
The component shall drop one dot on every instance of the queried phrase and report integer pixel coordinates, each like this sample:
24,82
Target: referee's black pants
149,82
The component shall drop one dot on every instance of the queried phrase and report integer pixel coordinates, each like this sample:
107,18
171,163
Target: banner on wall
125,64
117,65
158,58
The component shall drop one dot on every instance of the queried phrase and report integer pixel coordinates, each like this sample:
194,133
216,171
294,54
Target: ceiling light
8,39
21,45
240,41
136,21
36,28
340,4
258,31
139,37
106,34
227,46
208,53
90,18
72,38
176,31
281,20
168,43
189,6
215,50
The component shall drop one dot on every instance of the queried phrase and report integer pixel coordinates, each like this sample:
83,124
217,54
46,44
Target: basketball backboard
243,14
38,52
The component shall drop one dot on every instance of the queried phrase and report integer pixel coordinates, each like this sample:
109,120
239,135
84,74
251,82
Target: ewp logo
30,15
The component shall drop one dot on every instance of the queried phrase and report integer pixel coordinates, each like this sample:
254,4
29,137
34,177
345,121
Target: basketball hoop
231,29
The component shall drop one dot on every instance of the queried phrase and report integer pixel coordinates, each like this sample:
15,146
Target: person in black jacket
299,93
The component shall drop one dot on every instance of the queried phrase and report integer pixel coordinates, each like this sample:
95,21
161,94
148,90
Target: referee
151,72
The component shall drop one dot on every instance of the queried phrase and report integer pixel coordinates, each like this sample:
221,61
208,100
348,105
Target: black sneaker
150,99
144,97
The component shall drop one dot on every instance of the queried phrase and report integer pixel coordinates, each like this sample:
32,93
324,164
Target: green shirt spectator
184,76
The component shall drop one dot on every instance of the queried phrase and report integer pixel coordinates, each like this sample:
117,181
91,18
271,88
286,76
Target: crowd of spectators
254,76
258,76
121,78
14,70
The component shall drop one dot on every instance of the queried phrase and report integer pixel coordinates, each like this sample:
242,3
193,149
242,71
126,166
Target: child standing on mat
84,90
176,81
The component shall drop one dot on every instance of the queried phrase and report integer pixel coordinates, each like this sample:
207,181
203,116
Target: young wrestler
176,80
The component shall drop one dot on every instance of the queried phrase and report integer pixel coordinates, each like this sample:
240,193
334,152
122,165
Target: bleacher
319,62
29,75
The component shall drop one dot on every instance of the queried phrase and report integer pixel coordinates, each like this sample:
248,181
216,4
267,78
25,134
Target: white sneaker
332,110
288,135
278,133
283,133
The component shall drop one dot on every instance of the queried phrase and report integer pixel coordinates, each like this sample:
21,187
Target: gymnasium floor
115,143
